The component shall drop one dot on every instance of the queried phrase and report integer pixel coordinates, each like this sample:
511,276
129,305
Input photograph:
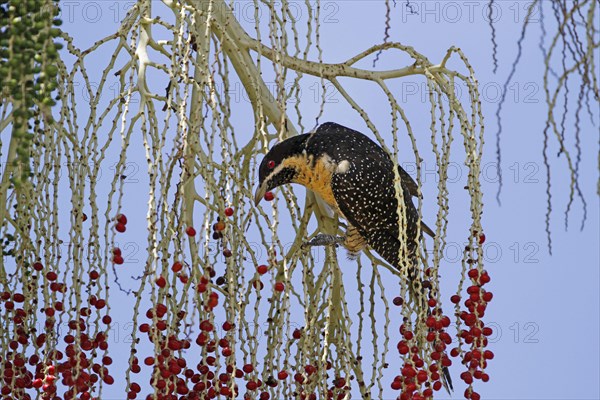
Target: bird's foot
324,240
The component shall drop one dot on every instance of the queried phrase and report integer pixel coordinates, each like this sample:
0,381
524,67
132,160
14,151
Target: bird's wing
388,247
366,187
409,184
366,196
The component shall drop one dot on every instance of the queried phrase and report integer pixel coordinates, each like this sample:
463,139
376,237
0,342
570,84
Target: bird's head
280,165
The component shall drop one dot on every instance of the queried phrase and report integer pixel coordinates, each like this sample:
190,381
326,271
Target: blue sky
546,308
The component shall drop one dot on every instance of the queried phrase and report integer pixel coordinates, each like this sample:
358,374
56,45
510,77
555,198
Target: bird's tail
418,289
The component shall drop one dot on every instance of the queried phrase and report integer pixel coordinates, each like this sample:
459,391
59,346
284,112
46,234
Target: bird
355,176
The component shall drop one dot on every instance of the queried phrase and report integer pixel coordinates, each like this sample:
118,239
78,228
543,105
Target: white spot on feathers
343,167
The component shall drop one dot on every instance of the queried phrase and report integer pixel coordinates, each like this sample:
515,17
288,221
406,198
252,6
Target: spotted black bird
355,177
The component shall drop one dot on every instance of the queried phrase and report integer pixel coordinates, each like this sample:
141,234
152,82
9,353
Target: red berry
279,286
398,301
116,251
120,227
403,348
183,278
339,383
227,253
269,196
455,299
161,310
251,385
227,326
229,211
213,300
117,259
482,238
430,322
282,375
473,273
94,274
51,276
444,322
122,219
467,377
431,302
177,266
262,269
473,289
219,226
485,278
206,326
409,372
38,266
190,231
161,282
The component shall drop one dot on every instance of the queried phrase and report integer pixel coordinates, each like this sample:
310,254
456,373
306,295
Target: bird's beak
260,193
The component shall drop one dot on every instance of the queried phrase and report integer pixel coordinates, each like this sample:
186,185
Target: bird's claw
324,240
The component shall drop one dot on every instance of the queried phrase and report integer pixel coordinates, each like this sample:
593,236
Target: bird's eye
271,164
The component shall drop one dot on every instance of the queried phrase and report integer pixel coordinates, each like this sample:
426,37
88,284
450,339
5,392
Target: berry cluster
78,361
475,333
421,376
